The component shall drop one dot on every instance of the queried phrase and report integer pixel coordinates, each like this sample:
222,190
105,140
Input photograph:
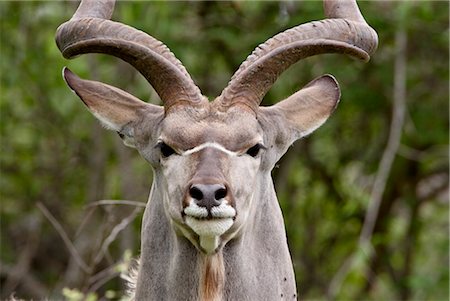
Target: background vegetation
365,198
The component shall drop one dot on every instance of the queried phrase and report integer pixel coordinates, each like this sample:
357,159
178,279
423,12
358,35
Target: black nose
208,195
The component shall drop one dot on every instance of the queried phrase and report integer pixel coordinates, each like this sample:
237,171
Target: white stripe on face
209,144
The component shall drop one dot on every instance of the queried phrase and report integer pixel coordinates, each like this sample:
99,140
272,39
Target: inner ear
116,109
310,107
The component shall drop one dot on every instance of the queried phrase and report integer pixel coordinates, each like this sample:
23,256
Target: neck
257,263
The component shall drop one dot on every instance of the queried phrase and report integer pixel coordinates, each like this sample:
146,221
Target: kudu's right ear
116,109
307,109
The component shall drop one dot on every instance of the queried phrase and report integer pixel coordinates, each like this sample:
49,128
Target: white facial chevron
208,144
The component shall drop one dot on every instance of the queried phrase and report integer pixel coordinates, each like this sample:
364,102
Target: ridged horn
90,31
345,31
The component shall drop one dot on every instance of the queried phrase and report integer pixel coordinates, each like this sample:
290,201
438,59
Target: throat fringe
130,277
212,279
211,282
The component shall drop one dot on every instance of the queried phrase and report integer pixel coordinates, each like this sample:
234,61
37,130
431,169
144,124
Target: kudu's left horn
344,31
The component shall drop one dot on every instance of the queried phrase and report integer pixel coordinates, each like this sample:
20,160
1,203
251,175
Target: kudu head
209,157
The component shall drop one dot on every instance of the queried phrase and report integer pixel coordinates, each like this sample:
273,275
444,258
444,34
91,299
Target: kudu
213,228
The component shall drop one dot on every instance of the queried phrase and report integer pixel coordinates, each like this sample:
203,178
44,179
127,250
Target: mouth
209,223
209,227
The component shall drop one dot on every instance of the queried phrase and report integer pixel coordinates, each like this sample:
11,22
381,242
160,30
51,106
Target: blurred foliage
55,154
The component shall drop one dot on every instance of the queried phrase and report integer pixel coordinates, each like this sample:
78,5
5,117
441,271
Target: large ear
116,109
310,107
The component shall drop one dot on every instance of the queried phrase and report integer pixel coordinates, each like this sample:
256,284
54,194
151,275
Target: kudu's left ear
116,109
310,107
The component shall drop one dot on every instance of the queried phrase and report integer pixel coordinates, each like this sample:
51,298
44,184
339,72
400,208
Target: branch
73,251
384,168
113,235
102,277
92,206
116,202
29,283
16,273
395,135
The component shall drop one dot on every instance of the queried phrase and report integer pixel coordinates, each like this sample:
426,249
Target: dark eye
254,150
166,150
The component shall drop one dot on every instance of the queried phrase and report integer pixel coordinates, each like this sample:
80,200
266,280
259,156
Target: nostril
208,195
196,193
220,193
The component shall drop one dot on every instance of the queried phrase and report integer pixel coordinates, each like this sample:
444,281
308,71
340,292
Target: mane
212,277
211,284
130,277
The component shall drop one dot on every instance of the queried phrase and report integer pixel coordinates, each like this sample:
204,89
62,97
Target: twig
73,251
92,206
25,257
104,273
108,275
86,217
384,169
410,153
116,202
29,283
113,234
